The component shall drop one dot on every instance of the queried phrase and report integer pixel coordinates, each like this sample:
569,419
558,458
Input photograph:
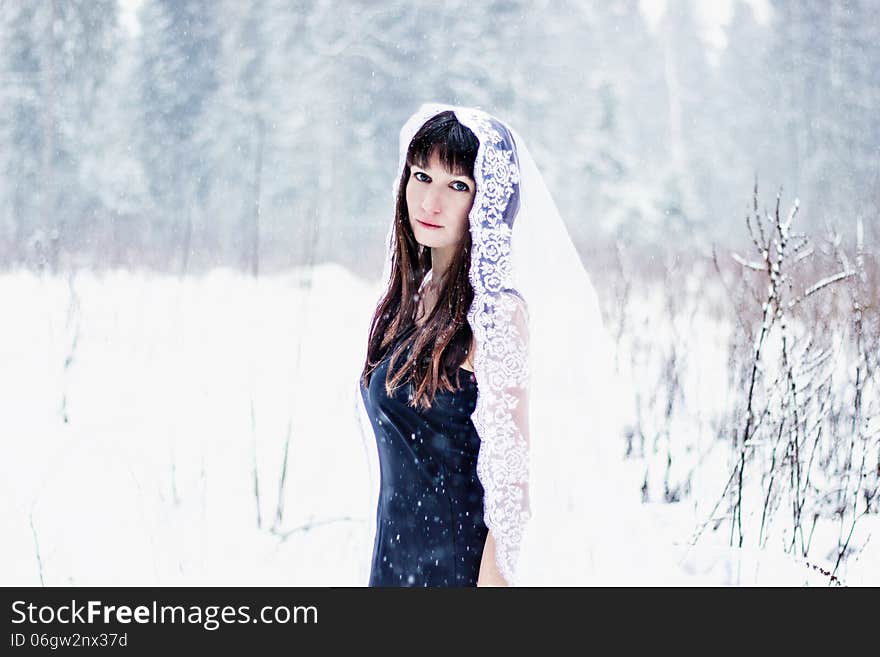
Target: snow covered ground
144,425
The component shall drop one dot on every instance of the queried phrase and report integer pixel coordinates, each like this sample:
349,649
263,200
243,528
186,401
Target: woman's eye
457,185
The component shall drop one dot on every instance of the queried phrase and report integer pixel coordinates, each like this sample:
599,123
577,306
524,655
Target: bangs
456,146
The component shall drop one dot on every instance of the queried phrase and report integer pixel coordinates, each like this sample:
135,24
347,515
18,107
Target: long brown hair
441,345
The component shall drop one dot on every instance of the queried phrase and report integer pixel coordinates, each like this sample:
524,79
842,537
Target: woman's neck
440,261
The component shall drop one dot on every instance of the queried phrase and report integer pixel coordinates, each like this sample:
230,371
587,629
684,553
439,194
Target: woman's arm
489,573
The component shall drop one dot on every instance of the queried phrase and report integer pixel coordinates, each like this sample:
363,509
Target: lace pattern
499,320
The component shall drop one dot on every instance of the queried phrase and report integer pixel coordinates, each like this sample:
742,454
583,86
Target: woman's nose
431,202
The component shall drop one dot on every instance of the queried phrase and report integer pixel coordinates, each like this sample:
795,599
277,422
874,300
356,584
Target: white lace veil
547,401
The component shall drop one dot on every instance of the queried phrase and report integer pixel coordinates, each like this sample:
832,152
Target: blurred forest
263,135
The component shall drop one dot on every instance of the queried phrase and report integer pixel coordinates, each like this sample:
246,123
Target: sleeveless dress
429,520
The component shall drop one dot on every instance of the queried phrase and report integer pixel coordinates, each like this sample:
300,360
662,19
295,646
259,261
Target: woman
419,386
446,382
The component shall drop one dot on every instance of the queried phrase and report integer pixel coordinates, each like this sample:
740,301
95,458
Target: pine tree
177,77
56,57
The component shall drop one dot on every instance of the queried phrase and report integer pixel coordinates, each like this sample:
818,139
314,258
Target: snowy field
148,420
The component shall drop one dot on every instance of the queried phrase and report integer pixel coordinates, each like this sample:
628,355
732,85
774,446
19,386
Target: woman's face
436,196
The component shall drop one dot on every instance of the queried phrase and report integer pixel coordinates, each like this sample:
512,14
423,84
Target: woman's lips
427,225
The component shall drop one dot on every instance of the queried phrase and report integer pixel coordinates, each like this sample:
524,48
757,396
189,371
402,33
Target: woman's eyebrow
428,170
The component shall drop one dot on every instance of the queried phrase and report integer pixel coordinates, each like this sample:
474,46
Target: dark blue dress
429,521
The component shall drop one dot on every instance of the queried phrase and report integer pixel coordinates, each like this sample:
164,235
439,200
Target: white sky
713,15
128,15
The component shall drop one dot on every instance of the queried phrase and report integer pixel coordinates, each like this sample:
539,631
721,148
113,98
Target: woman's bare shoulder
469,361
